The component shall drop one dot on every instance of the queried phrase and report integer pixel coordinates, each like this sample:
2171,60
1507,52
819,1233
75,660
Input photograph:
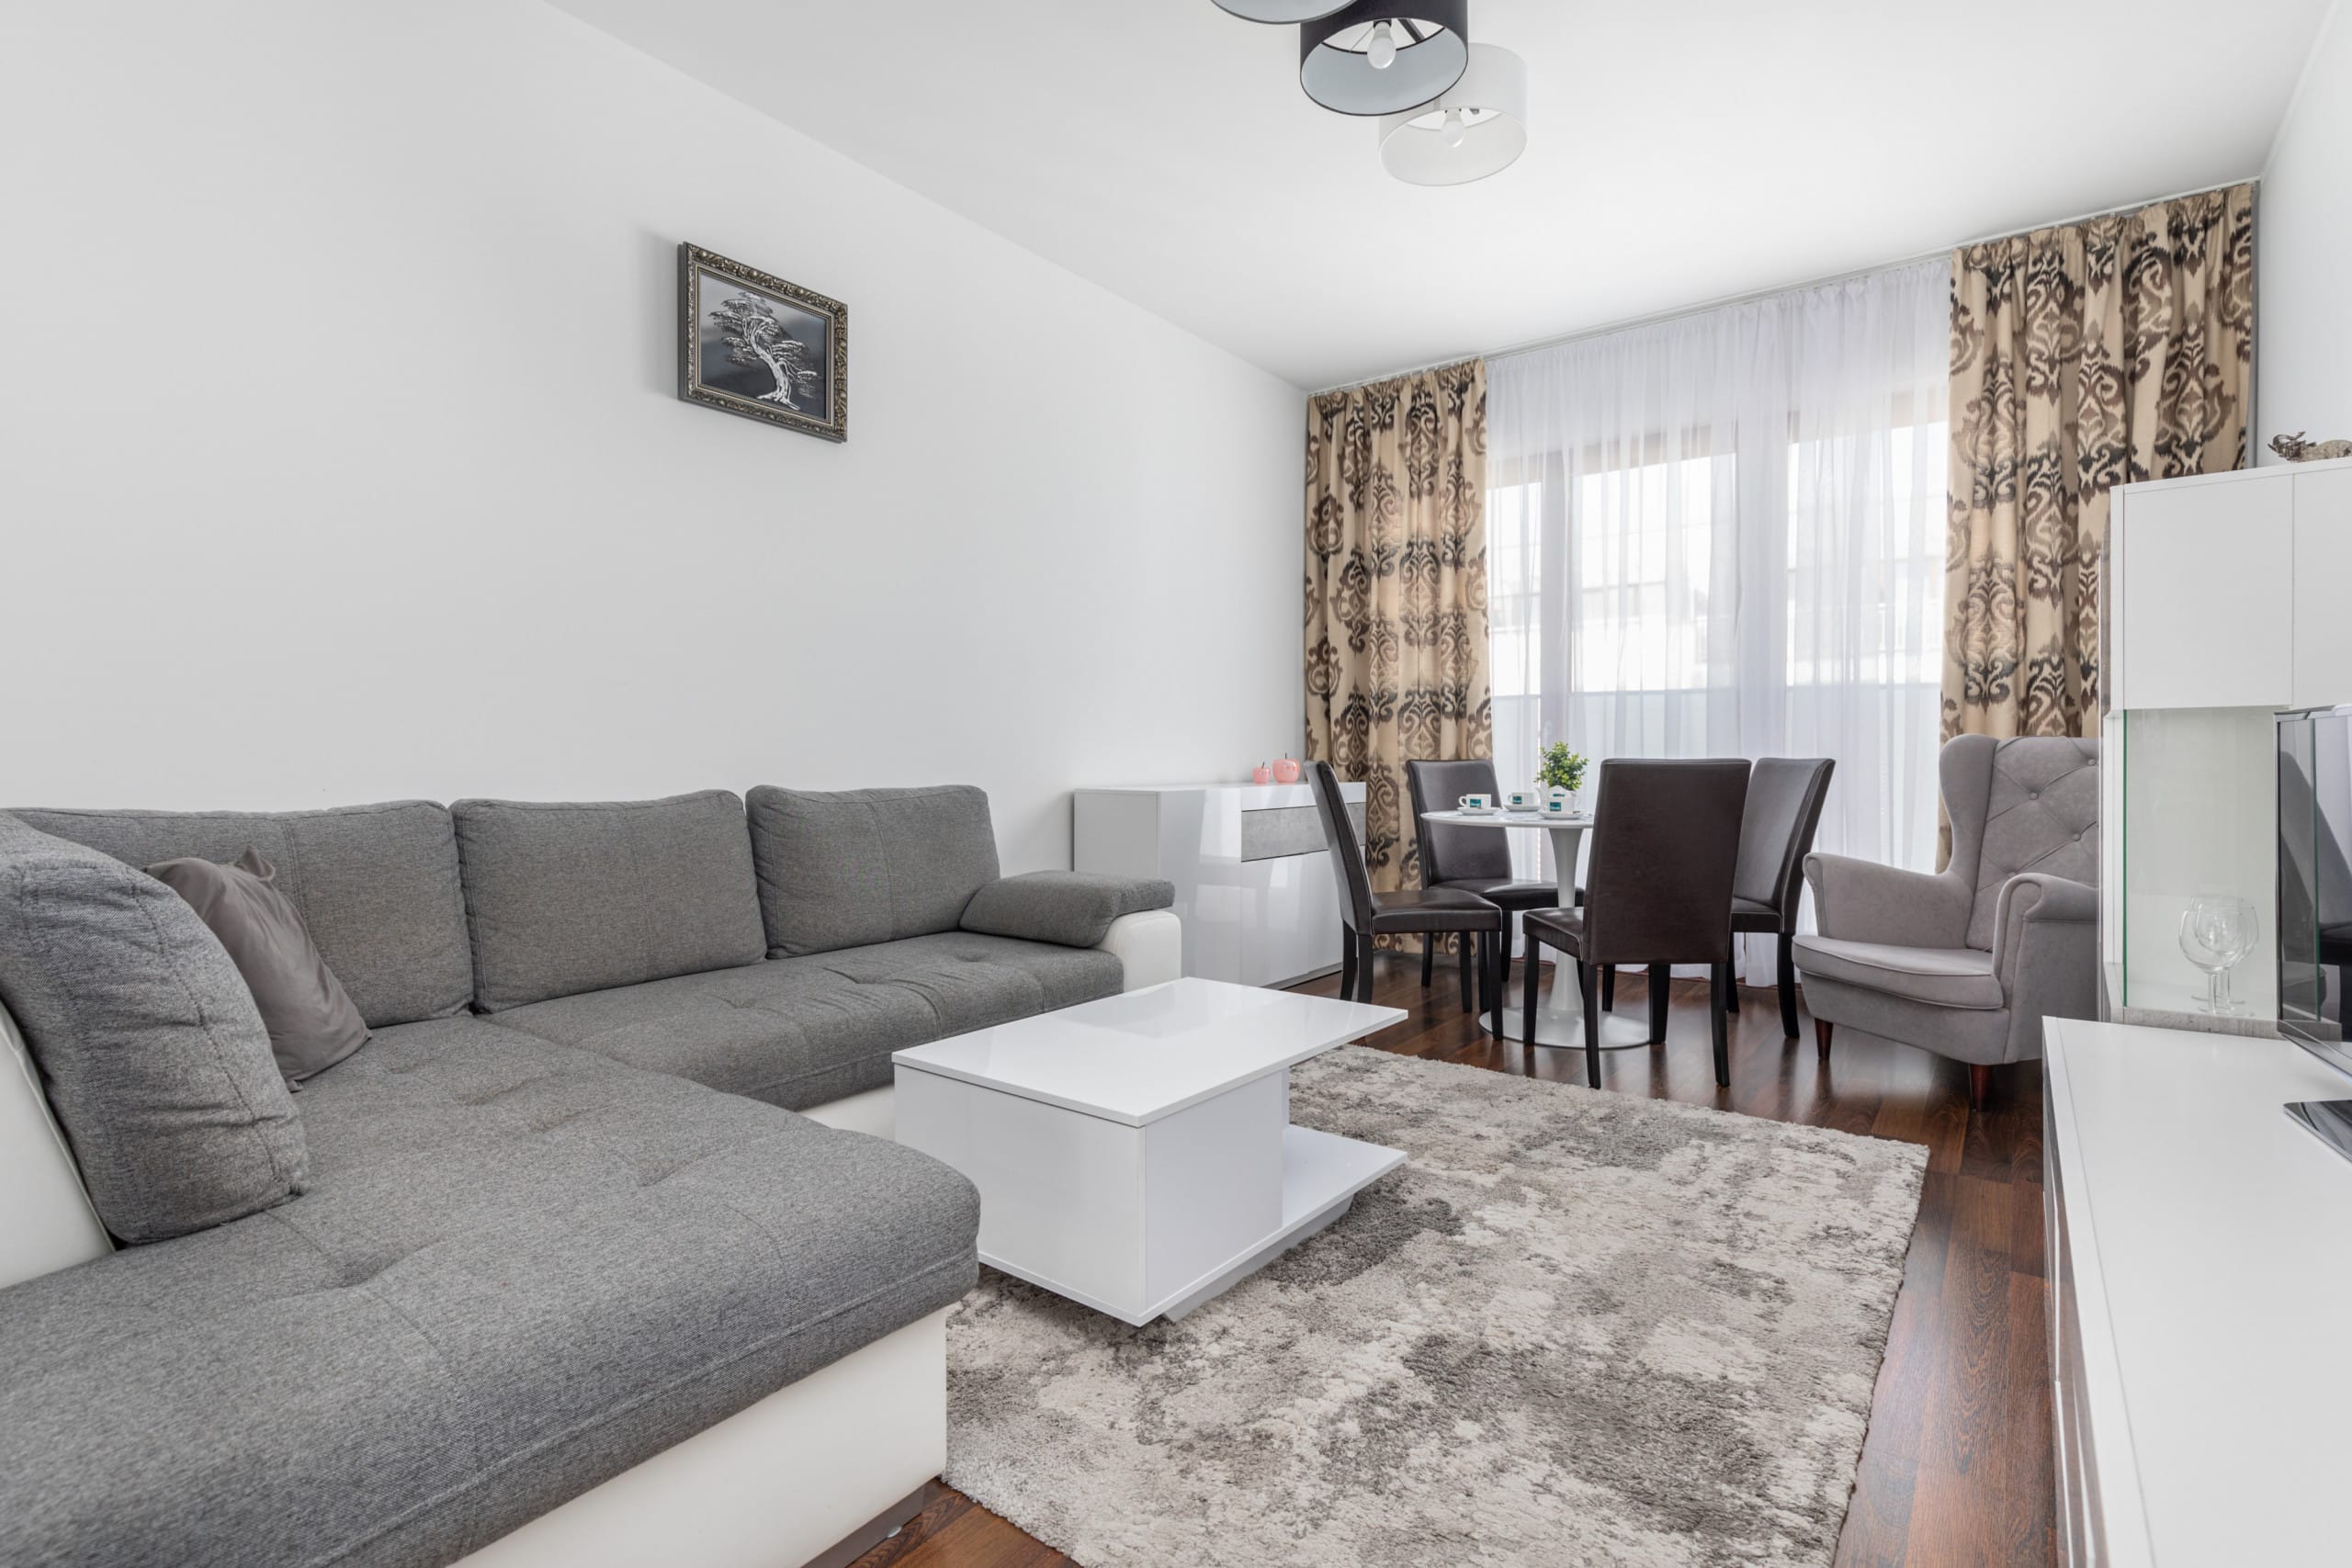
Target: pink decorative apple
1286,770
1262,775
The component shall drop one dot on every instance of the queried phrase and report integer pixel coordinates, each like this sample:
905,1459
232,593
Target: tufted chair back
2028,803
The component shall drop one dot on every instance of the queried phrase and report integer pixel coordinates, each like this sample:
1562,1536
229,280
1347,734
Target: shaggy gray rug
1575,1327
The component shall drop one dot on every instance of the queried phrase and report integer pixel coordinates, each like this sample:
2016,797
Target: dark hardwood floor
1956,1468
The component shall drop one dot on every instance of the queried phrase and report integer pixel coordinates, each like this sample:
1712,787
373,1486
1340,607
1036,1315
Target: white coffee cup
1559,805
1522,800
1477,803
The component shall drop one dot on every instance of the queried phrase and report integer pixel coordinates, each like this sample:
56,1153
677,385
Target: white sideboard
2200,1269
1253,881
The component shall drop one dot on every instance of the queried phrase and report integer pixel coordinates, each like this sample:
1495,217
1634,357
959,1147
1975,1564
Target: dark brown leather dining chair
1785,796
1365,914
1657,891
1469,859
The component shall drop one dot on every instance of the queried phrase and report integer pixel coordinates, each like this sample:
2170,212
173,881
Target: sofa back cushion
855,867
151,1051
376,885
583,896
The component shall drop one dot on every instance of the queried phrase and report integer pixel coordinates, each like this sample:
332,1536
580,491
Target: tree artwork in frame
756,345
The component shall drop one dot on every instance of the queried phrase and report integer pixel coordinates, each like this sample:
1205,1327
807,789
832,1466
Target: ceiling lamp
1372,58
1476,127
1280,10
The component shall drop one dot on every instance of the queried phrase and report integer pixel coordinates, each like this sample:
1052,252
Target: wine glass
2215,935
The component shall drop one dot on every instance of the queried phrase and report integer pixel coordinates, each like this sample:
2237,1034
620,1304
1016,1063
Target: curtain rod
1724,301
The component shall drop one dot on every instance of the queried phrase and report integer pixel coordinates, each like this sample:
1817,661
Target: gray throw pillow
149,1048
312,1021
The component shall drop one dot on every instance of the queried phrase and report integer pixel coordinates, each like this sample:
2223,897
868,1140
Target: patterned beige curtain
2082,357
1397,590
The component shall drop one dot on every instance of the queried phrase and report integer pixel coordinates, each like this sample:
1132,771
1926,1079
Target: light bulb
1455,128
1380,49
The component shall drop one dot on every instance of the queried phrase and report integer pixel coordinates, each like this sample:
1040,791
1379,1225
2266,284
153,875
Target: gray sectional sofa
566,1279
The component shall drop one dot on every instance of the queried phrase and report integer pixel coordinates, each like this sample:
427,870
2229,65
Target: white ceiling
1681,150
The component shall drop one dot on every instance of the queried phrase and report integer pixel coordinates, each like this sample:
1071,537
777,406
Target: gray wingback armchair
1968,961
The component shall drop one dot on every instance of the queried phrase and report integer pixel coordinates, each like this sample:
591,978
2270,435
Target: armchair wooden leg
1731,1002
1661,979
1429,959
1347,965
1591,1031
1787,979
1719,1021
1463,940
1503,975
1980,1085
1527,989
1364,951
1608,987
1821,1036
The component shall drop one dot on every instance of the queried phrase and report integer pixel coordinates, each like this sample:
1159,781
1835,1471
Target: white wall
2304,304
340,454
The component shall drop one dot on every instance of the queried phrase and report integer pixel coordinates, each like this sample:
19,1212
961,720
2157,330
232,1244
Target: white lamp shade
1280,10
1492,95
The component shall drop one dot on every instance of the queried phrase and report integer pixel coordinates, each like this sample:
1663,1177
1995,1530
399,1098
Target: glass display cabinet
2188,849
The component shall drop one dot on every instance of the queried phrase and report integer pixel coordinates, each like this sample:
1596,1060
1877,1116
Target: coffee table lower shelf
1322,1173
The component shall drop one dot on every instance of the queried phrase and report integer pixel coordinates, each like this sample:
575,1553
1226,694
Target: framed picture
759,346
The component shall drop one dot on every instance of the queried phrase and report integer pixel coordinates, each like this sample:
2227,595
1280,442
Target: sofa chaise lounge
596,1259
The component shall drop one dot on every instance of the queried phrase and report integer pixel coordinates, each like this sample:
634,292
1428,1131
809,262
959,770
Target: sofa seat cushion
519,1270
376,885
1945,976
580,896
801,1031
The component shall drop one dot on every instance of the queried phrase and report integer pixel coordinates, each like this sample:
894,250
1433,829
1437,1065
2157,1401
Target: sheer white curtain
1723,535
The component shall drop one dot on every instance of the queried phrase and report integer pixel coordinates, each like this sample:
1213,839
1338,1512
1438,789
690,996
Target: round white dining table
1559,1018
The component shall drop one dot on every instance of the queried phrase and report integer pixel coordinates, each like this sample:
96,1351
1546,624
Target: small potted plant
1561,771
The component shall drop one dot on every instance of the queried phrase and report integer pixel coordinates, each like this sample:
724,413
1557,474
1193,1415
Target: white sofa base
826,1464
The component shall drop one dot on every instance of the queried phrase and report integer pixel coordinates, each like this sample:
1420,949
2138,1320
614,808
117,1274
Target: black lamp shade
1433,50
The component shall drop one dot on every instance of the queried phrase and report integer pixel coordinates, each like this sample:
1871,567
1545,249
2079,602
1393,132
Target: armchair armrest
2045,949
1071,908
1861,900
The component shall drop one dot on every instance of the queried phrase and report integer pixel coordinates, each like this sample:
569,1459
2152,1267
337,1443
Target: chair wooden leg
1608,987
1719,1019
1527,992
1787,979
1364,951
1503,975
1461,939
1347,965
1661,980
1429,959
1821,1036
1980,1085
1591,1032
1731,1002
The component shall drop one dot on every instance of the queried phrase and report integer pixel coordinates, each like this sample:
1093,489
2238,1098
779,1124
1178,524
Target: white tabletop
1509,819
2212,1243
1145,1054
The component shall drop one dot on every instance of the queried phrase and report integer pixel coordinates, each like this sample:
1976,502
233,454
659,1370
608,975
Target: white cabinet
2199,1253
2222,590
1253,882
2322,586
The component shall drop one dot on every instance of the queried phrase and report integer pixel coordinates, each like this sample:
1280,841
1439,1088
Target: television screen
2315,878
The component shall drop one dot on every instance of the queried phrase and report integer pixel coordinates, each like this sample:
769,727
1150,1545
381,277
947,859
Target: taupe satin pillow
312,1021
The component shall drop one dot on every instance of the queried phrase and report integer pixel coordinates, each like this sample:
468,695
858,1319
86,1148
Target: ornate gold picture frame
754,345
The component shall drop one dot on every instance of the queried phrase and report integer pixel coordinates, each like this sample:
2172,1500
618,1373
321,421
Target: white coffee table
1135,1154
